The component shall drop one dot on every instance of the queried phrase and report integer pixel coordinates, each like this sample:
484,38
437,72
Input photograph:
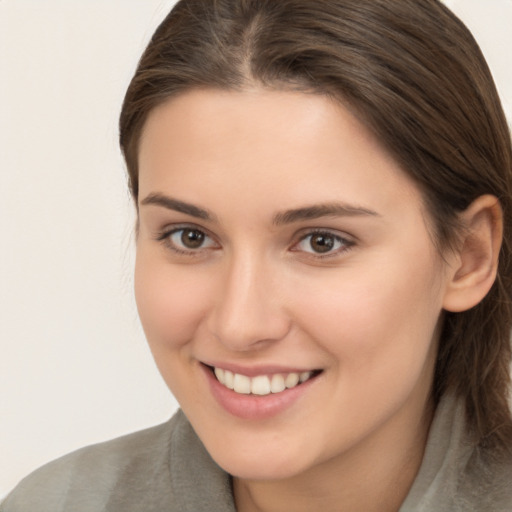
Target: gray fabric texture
167,469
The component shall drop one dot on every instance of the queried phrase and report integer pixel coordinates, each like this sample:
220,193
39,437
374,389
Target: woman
323,191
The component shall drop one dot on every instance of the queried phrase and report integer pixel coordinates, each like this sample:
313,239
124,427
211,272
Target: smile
261,384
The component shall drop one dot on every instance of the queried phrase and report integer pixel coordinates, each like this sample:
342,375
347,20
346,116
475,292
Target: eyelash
166,238
345,244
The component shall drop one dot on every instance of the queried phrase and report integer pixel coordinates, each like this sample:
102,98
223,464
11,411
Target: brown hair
414,74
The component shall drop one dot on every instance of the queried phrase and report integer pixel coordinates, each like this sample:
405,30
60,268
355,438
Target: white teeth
277,384
229,379
292,379
262,384
242,384
304,376
219,373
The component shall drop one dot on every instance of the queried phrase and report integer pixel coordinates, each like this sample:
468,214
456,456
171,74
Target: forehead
278,145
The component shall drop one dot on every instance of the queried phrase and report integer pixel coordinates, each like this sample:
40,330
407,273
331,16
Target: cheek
170,302
379,329
386,314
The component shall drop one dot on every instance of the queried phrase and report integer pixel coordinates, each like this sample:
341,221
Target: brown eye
192,238
322,242
189,240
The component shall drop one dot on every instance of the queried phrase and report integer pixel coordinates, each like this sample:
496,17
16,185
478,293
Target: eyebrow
178,206
285,217
322,210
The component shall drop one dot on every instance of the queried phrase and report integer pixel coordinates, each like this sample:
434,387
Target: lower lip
255,407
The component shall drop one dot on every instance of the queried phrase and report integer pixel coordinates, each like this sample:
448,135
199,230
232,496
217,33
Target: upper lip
255,370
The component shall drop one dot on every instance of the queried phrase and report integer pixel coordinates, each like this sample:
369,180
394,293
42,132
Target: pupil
322,243
192,239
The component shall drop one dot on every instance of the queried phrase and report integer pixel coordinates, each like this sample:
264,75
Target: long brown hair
415,76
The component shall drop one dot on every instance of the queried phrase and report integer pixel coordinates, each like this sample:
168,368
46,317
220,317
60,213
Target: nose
249,311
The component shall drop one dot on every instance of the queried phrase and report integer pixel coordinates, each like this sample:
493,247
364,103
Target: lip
252,407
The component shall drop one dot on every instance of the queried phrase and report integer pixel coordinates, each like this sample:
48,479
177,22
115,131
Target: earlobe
476,266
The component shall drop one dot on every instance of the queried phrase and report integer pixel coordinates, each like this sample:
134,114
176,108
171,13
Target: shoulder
486,481
456,475
92,477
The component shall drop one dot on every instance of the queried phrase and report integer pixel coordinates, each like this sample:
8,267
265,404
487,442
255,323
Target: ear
476,259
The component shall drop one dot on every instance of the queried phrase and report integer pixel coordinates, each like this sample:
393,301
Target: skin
257,292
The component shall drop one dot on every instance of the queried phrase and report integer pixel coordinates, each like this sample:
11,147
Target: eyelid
346,240
164,236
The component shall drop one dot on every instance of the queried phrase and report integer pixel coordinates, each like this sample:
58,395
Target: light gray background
74,366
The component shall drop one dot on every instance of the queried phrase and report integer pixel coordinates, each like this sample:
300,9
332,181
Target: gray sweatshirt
167,469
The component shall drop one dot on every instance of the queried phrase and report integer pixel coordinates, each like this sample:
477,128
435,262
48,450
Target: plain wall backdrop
74,366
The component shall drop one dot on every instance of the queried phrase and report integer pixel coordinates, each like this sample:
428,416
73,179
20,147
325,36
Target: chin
260,465
247,470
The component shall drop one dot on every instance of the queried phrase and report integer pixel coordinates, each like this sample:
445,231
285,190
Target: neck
373,477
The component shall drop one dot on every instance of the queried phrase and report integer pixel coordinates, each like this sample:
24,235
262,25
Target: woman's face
278,242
